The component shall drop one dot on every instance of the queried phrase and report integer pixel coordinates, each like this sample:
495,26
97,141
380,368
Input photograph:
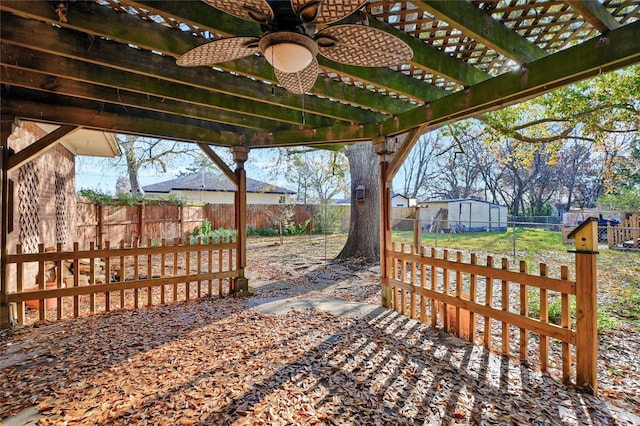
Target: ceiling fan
291,39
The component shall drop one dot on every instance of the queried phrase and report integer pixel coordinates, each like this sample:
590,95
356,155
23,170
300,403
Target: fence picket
59,281
149,275
566,323
412,295
107,272
122,273
92,279
163,264
434,287
524,311
544,317
446,284
175,269
504,293
472,296
20,285
423,284
458,329
488,300
76,282
41,284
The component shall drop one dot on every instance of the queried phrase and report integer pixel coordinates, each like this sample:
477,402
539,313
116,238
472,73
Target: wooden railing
625,236
467,297
69,283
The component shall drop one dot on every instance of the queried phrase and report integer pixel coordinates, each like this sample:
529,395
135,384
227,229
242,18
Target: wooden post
417,230
5,132
384,150
240,155
586,236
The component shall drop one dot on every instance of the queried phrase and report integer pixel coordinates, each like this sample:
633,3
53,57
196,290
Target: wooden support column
240,155
385,150
586,236
5,131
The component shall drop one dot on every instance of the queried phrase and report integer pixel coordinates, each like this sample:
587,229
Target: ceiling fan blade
362,46
225,49
329,10
251,10
299,82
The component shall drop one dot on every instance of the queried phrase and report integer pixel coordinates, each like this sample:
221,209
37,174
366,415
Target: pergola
110,65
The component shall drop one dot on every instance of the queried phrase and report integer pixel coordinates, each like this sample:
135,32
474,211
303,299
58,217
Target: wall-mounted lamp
360,194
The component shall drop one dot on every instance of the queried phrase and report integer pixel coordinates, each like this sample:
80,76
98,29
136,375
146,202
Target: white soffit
88,142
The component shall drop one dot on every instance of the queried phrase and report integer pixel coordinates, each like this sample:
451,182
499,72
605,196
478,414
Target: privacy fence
138,223
70,283
486,300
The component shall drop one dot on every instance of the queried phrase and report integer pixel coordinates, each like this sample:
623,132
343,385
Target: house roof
110,65
214,182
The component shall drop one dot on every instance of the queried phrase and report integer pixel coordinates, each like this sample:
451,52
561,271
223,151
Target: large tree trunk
133,165
364,230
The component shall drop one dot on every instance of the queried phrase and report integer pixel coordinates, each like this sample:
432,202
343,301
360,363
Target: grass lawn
527,239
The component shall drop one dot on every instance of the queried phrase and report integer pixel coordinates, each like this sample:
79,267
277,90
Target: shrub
97,197
206,232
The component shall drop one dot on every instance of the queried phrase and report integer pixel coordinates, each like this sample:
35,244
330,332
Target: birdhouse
360,194
586,235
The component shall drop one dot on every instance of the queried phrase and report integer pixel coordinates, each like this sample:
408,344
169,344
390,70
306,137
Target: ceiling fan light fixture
288,57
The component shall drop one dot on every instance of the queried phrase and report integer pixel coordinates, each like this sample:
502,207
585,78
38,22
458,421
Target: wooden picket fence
625,236
71,283
466,297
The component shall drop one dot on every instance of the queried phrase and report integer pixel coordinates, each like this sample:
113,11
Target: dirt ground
217,361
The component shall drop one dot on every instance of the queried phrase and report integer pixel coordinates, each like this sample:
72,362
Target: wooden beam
40,146
466,17
403,151
595,13
152,125
6,129
219,162
220,109
35,35
101,21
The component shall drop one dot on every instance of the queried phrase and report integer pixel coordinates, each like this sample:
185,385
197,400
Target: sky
101,174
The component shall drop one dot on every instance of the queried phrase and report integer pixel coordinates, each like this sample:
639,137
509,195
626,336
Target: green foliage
97,197
606,321
175,199
297,228
625,200
554,306
328,219
127,199
544,210
266,232
628,304
205,232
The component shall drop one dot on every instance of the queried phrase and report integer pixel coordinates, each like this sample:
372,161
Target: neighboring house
466,214
399,200
214,188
